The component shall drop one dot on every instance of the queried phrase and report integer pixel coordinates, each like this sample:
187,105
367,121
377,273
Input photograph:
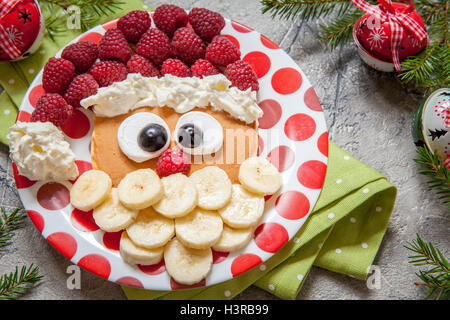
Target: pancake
107,156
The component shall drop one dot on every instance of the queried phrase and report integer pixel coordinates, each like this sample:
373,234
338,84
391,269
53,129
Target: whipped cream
40,151
181,94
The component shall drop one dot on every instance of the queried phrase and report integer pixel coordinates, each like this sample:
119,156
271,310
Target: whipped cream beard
180,94
40,152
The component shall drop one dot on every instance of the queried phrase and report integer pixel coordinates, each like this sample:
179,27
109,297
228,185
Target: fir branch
17,283
8,224
306,9
433,167
339,31
437,279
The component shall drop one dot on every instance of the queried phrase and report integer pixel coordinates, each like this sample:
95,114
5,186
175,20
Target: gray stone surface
368,114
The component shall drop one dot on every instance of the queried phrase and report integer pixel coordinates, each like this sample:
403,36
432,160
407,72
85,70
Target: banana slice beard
134,254
111,215
150,229
186,265
179,197
213,187
140,189
233,239
258,175
200,229
244,210
90,190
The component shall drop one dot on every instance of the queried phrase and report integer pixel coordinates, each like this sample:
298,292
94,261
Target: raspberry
241,75
172,161
81,87
154,45
169,18
187,46
82,54
222,52
107,72
175,67
206,23
202,68
114,45
58,73
138,64
134,24
51,107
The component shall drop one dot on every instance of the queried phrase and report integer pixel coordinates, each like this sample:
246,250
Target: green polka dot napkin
342,234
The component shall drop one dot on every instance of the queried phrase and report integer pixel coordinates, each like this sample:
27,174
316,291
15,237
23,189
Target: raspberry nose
173,161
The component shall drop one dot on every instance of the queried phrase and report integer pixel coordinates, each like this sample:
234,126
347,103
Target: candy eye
198,133
143,136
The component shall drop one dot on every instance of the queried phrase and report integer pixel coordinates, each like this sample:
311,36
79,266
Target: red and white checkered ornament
391,31
21,29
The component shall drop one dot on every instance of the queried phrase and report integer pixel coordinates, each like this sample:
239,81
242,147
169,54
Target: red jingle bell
21,29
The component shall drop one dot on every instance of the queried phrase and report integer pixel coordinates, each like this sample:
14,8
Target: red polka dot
91,36
219,256
299,127
260,145
53,196
272,113
35,94
83,221
111,240
110,24
77,126
233,40
153,269
281,157
311,174
286,80
178,286
96,264
322,143
259,62
271,236
240,27
243,263
23,116
22,182
37,219
82,166
311,100
292,205
130,282
268,43
64,243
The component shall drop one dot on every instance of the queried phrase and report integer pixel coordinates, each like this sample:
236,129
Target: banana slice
90,190
150,229
258,175
244,210
179,198
133,254
200,229
111,215
213,187
233,239
140,189
187,265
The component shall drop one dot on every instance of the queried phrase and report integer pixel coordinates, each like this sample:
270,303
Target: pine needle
8,224
437,279
340,30
18,283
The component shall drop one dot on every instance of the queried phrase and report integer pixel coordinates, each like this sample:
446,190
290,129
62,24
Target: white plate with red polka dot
292,135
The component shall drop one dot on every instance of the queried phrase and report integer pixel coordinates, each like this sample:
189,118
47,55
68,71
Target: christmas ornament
21,29
431,124
388,32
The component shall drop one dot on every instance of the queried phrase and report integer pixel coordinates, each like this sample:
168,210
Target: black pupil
190,136
152,138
